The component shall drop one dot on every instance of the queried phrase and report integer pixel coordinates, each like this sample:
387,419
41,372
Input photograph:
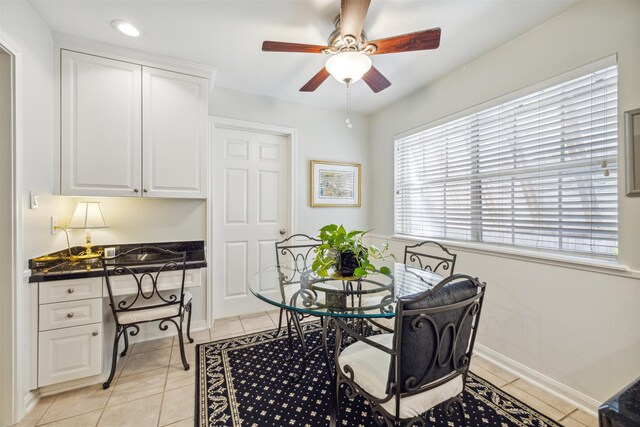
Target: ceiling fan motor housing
347,43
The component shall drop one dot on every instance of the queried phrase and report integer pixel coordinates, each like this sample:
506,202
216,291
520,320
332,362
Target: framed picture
632,136
335,184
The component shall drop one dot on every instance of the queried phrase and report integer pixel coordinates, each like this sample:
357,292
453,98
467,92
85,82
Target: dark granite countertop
623,409
58,266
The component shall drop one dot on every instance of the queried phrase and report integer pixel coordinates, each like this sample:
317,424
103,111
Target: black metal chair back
431,256
296,251
145,265
435,333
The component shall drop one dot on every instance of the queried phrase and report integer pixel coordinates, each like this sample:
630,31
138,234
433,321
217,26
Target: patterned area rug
247,381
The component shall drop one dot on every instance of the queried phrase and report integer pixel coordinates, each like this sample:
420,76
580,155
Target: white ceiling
228,35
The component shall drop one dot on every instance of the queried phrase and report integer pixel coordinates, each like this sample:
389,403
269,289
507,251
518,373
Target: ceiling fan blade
420,40
270,46
375,80
315,81
352,15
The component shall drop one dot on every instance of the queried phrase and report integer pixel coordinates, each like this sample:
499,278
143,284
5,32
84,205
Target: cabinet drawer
72,313
70,290
69,353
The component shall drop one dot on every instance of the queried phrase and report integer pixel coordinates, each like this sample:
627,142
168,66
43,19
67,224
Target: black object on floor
248,381
623,409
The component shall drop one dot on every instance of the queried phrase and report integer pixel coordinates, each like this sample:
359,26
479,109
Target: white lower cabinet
70,330
69,353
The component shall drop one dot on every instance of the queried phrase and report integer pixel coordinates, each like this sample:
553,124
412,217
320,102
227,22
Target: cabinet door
101,122
69,353
174,134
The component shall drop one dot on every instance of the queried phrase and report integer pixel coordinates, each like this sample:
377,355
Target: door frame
15,404
226,123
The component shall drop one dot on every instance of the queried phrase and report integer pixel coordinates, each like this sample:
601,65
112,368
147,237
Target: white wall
322,135
576,327
25,30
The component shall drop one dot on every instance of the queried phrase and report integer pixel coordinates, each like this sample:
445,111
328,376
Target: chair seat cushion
155,313
371,372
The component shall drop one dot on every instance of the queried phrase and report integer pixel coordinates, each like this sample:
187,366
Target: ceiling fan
349,49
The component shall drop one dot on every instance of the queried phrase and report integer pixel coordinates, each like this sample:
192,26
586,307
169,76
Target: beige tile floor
152,389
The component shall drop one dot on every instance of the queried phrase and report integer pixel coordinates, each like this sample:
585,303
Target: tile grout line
164,390
55,397
81,413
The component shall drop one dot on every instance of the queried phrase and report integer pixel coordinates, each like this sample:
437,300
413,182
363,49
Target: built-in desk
72,326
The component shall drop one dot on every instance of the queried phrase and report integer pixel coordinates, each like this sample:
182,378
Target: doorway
7,286
251,210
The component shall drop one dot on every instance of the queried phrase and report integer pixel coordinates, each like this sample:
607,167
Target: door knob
283,231
69,315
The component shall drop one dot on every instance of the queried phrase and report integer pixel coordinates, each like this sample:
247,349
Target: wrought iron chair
297,252
431,256
149,304
424,363
435,258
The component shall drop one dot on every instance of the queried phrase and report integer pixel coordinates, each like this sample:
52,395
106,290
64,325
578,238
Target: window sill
566,261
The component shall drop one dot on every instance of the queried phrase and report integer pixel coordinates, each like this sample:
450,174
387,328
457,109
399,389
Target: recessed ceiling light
125,27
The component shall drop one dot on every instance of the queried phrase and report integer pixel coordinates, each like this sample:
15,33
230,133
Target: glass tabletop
297,288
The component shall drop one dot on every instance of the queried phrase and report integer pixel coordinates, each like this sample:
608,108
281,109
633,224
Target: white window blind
536,172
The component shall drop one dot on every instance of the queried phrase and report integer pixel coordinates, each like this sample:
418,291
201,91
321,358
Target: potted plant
343,252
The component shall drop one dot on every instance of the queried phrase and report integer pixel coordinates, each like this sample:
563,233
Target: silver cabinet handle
94,333
69,315
70,290
283,231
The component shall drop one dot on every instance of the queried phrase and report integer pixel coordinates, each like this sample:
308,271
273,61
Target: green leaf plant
337,240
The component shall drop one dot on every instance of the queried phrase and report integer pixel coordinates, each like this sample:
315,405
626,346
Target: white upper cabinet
131,130
101,126
174,134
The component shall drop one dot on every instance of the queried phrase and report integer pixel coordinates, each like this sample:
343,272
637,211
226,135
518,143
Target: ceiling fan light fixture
125,27
348,67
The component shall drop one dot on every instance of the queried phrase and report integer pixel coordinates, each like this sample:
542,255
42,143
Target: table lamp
88,215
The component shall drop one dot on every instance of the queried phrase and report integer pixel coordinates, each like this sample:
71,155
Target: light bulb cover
125,27
348,67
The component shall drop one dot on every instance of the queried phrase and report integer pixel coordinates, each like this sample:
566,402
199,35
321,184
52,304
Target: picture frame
335,184
632,139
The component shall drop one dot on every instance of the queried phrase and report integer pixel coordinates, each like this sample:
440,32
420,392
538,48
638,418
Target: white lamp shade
88,215
348,67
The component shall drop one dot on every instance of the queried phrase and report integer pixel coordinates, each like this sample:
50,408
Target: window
536,172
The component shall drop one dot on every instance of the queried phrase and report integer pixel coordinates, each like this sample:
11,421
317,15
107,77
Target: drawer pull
94,333
69,315
70,290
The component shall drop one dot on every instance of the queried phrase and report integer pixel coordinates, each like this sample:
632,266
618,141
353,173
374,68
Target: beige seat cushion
146,315
371,371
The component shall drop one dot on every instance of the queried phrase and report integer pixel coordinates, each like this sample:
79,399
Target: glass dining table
300,291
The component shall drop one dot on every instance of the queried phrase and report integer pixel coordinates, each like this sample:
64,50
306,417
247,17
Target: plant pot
336,300
348,263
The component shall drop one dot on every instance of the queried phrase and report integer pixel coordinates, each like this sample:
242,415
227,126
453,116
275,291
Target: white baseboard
580,400
31,399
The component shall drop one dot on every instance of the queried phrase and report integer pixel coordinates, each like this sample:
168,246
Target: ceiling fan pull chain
348,121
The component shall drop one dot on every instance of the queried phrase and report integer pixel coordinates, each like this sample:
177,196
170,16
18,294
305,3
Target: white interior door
250,213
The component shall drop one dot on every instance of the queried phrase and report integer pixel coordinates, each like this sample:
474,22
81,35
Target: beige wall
575,327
